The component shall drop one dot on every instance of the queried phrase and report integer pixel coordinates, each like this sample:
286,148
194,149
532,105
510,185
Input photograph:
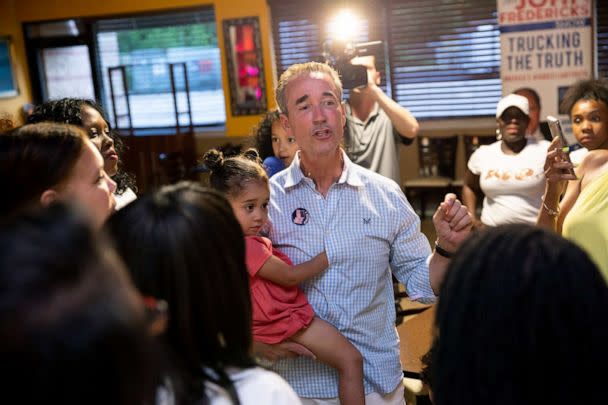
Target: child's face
284,144
250,207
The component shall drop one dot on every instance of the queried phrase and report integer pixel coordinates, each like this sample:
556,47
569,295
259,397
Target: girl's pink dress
278,312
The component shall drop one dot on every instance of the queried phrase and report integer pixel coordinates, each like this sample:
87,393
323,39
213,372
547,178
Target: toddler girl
280,309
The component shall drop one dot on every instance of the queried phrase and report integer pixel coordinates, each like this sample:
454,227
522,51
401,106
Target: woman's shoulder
594,164
595,159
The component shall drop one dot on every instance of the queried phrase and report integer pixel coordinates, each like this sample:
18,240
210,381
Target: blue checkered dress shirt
365,224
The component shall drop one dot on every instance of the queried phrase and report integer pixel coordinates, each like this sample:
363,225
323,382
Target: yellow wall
39,10
9,26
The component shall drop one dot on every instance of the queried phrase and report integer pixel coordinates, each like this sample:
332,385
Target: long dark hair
183,244
521,319
69,111
34,158
72,330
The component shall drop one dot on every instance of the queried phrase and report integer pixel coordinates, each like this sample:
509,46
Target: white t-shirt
255,386
513,184
125,198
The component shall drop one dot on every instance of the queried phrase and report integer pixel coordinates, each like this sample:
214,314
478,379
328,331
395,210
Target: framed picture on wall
245,66
8,84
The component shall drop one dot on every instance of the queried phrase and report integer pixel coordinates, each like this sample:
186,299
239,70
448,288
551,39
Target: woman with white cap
508,173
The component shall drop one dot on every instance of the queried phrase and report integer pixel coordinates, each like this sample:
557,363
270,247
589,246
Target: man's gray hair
299,69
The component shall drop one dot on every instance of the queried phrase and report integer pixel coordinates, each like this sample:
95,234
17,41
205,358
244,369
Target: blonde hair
299,69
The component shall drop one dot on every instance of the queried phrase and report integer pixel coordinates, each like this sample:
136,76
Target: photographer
375,124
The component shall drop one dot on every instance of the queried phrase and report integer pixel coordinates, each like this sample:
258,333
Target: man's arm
403,121
453,223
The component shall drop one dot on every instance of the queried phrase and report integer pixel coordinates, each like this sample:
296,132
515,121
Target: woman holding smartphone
509,172
582,214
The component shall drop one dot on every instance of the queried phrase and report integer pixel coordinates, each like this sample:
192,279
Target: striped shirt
365,224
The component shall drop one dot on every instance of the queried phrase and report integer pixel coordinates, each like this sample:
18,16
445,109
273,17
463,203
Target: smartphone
569,143
568,140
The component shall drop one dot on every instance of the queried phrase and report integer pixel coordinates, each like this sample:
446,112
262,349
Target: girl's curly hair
262,134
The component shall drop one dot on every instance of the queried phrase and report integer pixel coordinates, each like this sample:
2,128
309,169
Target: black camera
340,54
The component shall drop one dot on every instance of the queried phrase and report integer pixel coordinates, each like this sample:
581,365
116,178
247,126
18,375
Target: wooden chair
436,166
159,159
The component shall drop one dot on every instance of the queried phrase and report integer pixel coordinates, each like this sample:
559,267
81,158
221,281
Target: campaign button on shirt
299,216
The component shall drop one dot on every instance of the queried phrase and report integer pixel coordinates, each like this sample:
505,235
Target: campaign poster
546,45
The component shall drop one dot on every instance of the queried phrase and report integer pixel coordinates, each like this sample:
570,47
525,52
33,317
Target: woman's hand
558,167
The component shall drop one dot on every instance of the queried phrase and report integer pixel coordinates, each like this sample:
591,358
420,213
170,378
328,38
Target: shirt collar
350,173
349,113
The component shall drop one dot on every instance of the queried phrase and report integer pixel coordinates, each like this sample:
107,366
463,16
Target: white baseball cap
512,100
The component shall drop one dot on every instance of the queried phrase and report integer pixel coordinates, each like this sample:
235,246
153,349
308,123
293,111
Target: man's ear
284,122
48,197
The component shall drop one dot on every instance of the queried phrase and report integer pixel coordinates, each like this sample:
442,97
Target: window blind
445,57
602,37
146,45
300,28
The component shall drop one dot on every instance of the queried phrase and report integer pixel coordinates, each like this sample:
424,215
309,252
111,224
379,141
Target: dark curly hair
230,175
521,314
69,111
262,134
592,89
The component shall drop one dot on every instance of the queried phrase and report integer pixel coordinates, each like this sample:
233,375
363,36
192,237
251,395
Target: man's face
315,115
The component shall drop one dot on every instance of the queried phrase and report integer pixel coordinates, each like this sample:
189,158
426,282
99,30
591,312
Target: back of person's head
230,175
262,134
299,69
183,244
521,319
34,158
72,328
591,89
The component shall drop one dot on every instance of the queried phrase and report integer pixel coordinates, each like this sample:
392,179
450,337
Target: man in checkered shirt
362,220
